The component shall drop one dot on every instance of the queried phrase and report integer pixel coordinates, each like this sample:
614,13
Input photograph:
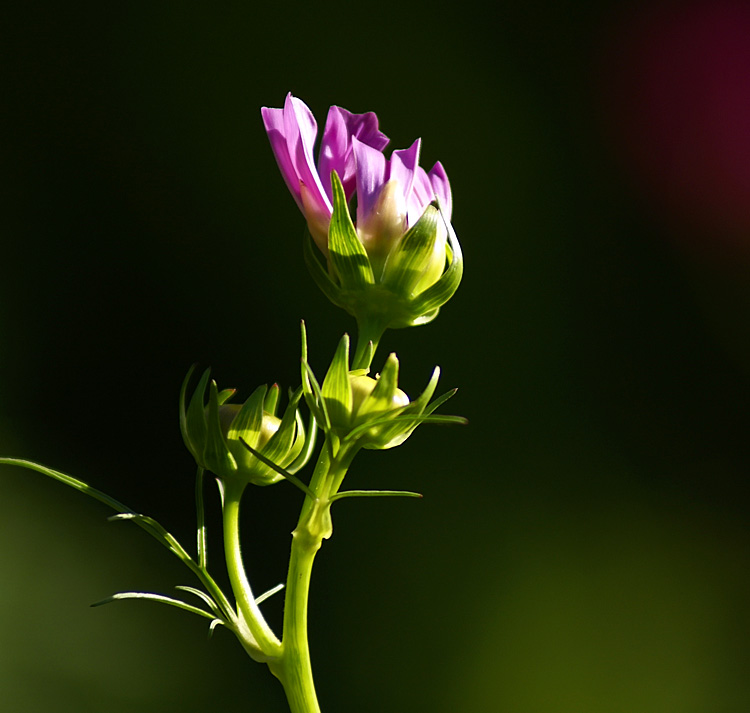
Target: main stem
368,331
293,668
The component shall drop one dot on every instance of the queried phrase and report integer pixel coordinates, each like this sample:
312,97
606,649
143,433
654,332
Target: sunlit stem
293,668
248,608
368,331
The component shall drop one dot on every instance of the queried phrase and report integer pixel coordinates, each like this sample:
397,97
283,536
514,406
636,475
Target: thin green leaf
440,400
212,626
147,524
266,595
416,419
155,598
68,480
293,479
375,494
200,520
157,530
212,605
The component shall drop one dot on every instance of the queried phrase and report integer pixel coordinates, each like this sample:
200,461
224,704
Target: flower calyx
218,433
388,277
359,411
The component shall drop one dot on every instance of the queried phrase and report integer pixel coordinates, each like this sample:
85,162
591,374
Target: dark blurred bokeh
582,546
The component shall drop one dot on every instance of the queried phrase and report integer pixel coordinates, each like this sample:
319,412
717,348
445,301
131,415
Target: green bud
363,411
216,432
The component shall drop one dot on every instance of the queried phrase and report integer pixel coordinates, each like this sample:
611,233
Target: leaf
200,517
278,469
375,494
266,595
155,598
212,605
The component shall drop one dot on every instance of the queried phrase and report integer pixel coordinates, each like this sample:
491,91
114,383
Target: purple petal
404,166
273,120
336,152
421,196
300,131
442,188
371,174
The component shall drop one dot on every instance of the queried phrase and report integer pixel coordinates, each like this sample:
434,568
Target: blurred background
582,545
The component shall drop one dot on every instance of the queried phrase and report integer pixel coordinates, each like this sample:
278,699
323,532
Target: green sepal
428,302
248,422
419,404
310,435
216,453
381,398
287,443
311,388
196,420
183,413
411,256
319,274
346,253
225,395
337,389
271,404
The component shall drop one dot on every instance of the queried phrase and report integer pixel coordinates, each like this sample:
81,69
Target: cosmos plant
391,262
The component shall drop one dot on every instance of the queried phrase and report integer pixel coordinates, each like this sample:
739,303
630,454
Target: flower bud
218,434
362,411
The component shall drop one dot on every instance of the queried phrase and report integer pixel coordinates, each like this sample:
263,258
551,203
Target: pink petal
404,167
371,175
420,197
442,188
300,130
273,120
336,152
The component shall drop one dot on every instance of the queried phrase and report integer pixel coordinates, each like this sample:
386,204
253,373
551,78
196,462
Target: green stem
294,669
368,331
250,612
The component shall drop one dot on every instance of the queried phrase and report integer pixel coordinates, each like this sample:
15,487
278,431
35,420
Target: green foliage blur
582,546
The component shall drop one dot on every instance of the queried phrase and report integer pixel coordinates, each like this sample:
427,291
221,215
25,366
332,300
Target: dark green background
582,546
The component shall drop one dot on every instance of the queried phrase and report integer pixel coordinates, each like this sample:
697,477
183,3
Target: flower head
401,260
